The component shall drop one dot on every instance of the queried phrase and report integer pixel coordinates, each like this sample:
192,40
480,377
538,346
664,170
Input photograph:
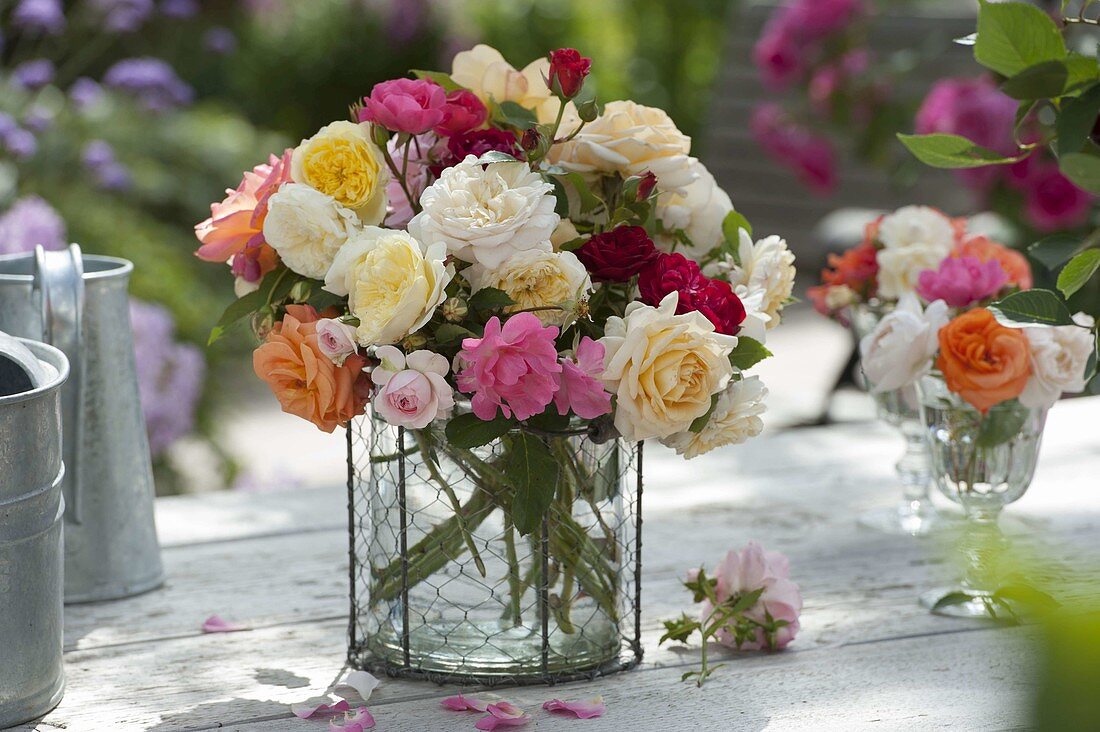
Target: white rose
899,350
914,238
535,279
757,321
630,139
484,71
487,215
736,418
1059,357
766,267
393,284
307,228
663,368
698,210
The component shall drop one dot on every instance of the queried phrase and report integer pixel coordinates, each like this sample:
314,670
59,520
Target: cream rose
341,161
630,139
1059,358
392,283
663,368
537,279
484,71
486,214
914,238
899,350
307,228
698,211
735,419
767,268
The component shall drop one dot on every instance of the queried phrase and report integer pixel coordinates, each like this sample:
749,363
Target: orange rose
1012,262
983,361
303,379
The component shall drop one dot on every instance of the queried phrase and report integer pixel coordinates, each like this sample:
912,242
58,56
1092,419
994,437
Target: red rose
478,142
462,112
617,255
715,299
567,71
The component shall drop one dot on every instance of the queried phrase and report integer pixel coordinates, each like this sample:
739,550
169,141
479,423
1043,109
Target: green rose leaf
490,298
679,630
1055,250
747,353
953,151
700,422
444,80
1083,169
732,224
534,475
1079,270
1083,71
1046,80
1076,120
274,287
516,116
1001,424
451,333
496,156
468,430
1013,36
1041,307
576,189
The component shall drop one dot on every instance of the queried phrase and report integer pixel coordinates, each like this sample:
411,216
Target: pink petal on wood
217,624
460,703
319,706
582,709
358,720
503,714
356,686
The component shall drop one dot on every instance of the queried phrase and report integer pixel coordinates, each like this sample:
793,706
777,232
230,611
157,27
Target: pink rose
579,385
748,571
412,391
962,281
514,367
462,112
405,105
1053,202
336,340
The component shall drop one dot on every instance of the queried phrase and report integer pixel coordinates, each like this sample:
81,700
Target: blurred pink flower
514,367
748,571
810,156
405,105
1053,202
962,281
794,34
579,386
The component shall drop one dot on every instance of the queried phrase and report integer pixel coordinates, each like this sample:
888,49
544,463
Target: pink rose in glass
514,368
579,385
962,281
1053,202
412,390
748,571
336,340
405,105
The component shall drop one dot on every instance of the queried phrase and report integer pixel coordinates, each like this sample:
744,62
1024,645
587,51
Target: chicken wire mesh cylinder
559,604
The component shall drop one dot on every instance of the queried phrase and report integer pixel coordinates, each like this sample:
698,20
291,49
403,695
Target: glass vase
914,513
447,585
983,463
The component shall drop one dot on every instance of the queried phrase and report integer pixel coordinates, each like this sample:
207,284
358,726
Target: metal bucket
31,508
80,305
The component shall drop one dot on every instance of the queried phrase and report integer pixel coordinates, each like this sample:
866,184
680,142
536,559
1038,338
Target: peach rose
983,361
1011,261
305,381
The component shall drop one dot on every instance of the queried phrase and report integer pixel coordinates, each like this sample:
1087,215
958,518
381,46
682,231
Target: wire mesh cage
445,587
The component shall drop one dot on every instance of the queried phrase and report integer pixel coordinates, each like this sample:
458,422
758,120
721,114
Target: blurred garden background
121,120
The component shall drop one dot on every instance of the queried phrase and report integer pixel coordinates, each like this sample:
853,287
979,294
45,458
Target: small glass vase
446,587
983,463
914,514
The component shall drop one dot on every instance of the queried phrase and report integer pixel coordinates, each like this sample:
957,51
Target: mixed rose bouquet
918,250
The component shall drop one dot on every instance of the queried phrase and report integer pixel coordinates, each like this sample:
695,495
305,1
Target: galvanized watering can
31,508
80,305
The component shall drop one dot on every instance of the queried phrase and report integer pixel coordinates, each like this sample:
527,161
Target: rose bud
336,340
567,71
646,186
454,309
617,255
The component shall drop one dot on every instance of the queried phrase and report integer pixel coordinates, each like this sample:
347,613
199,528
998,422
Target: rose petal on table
218,624
460,703
357,685
319,706
358,720
582,709
503,714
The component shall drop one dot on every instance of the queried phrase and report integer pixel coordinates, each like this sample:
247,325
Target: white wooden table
868,656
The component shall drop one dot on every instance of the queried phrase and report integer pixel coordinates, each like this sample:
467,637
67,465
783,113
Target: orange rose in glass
983,361
1012,262
304,380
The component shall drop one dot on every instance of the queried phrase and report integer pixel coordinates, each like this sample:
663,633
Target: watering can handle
59,280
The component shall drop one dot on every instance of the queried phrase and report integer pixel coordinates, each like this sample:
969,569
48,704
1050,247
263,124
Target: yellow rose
341,161
393,285
484,71
537,278
663,368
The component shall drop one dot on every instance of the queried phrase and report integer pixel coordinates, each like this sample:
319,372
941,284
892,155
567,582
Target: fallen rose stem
431,461
515,584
